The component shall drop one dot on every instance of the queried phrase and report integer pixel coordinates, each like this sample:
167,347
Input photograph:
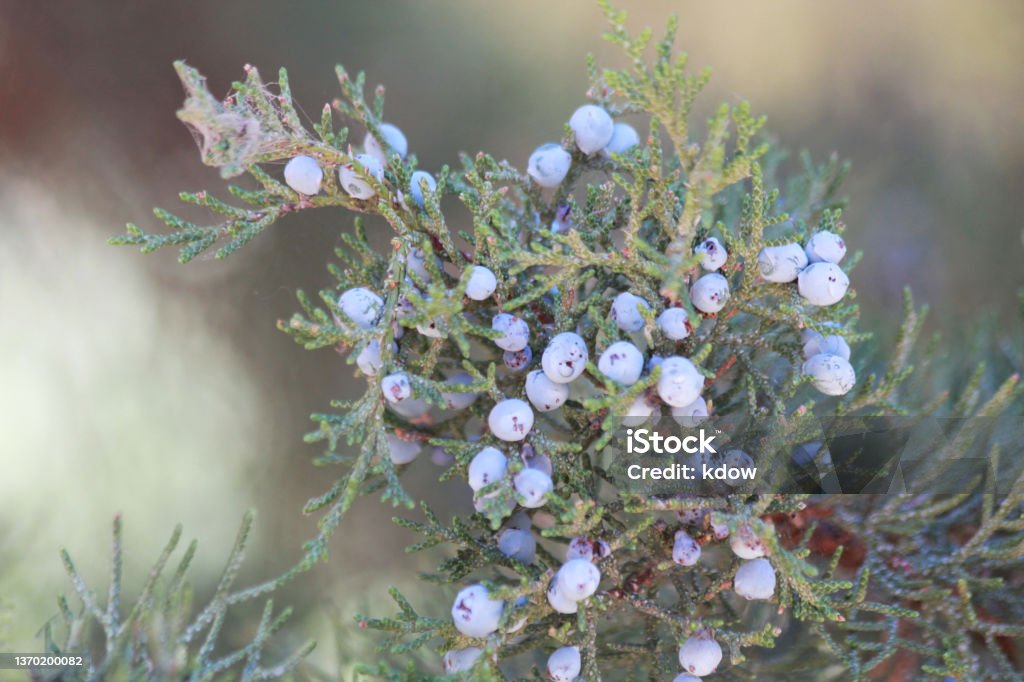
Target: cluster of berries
594,131
476,614
821,282
304,174
754,579
527,481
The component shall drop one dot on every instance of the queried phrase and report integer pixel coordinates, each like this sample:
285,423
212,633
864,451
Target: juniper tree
621,279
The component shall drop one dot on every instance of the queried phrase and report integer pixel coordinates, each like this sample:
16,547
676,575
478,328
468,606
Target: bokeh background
136,385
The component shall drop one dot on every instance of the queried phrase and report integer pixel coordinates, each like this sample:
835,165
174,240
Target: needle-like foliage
884,586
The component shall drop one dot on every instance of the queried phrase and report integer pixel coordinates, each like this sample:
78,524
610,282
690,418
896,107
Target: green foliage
878,586
161,637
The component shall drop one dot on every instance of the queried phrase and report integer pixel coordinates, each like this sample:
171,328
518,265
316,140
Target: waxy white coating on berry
361,306
578,579
624,138
782,263
558,601
622,362
712,254
746,545
592,127
416,182
639,411
532,487
461,660
511,420
700,655
402,451
351,176
515,333
394,140
396,387
549,164
833,344
459,400
755,579
825,246
685,677
518,544
543,393
564,664
486,467
822,283
369,359
481,284
710,293
832,374
680,383
626,312
692,415
674,323
475,613
565,357
517,360
685,550
304,175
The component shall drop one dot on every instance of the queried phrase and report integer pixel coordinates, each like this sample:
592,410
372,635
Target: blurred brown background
136,384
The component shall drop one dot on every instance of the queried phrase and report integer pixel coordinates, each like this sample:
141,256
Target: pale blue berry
564,664
622,362
822,283
475,613
825,246
831,374
755,579
515,333
565,357
394,140
592,128
625,311
549,164
417,181
700,655
510,420
481,284
782,264
350,175
304,175
674,323
710,293
624,138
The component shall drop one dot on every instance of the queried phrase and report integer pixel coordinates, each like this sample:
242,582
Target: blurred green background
137,385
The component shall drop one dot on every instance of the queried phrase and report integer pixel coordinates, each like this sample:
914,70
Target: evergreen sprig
160,637
891,586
